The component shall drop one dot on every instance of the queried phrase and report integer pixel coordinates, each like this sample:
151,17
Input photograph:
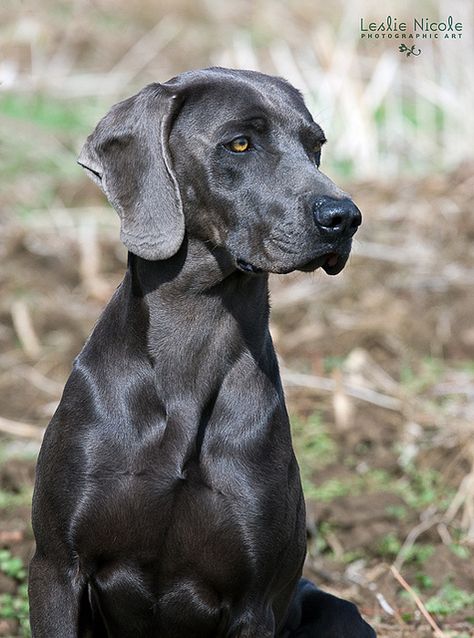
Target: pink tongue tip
332,260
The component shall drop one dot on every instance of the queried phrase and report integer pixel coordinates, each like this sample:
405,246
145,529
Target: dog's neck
196,308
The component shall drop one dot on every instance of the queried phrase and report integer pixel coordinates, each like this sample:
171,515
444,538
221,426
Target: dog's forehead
215,98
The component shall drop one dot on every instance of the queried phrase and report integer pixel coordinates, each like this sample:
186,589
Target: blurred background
378,362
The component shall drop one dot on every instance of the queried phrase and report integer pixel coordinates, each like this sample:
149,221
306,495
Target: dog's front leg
55,600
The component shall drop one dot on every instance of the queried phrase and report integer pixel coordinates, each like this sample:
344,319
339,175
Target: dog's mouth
332,264
245,266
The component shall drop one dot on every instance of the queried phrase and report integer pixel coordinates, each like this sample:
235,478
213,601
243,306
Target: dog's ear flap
127,155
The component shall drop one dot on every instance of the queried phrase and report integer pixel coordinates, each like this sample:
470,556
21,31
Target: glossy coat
168,500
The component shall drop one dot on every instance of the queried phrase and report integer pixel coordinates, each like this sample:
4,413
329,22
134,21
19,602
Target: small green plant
389,546
14,499
314,448
322,545
418,553
329,490
460,551
312,441
422,487
12,566
15,606
397,511
449,600
352,556
374,480
427,373
332,363
424,581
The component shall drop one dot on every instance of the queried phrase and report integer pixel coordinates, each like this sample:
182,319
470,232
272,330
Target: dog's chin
332,264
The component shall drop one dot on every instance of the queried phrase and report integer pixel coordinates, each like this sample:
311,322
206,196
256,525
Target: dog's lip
335,263
247,267
332,263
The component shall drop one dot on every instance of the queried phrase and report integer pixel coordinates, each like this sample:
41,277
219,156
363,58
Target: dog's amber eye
239,145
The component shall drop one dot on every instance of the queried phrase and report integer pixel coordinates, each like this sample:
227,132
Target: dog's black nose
336,217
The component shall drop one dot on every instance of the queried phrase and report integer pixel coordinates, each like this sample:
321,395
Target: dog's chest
161,513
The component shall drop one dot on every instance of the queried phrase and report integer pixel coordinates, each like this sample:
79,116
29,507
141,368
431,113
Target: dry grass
384,112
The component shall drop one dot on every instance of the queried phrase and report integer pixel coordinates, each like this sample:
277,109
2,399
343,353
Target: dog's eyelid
258,123
316,152
315,148
312,135
318,143
313,143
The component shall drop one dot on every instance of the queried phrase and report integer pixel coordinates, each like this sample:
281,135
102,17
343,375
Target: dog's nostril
356,219
336,220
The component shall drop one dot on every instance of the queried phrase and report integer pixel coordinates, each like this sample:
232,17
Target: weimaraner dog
168,500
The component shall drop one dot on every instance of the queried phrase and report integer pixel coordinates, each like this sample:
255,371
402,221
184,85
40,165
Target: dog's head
230,157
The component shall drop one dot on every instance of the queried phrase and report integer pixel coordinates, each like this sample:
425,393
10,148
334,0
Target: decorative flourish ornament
409,51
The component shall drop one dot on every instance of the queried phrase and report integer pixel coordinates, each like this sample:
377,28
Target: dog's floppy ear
127,155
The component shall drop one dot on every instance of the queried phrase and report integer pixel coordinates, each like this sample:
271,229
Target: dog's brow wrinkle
258,123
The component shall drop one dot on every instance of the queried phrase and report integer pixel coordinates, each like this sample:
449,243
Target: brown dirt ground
400,312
